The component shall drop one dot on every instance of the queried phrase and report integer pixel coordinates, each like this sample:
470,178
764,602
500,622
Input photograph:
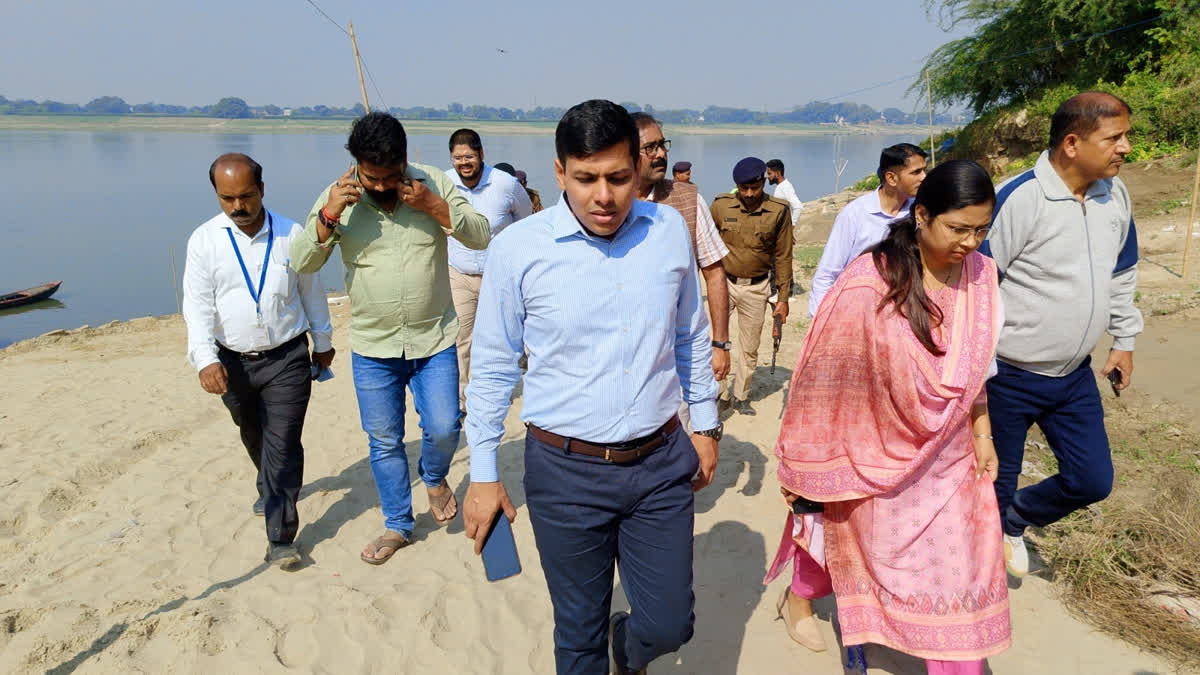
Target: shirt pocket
280,280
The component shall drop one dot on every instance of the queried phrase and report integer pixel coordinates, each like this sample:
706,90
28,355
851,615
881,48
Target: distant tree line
816,112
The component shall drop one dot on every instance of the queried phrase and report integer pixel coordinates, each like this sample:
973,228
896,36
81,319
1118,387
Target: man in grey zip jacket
1065,246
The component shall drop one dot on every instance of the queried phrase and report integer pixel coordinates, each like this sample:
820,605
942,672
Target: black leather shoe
260,507
612,627
283,556
743,408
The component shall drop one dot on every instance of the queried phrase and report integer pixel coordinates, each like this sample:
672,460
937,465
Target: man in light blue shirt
503,201
865,221
603,291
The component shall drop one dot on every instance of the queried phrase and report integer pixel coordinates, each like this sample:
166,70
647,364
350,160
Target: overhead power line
360,56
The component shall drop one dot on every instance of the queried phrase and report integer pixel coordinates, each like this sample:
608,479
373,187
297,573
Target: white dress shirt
710,248
501,199
217,304
787,193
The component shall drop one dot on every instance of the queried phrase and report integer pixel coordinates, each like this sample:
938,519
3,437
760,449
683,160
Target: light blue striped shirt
614,329
501,199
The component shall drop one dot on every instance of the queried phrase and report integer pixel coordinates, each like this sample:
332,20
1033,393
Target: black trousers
268,399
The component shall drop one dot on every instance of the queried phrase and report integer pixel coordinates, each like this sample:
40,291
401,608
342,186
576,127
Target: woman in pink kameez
886,429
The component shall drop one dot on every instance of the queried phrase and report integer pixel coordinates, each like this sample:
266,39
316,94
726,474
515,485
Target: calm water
103,211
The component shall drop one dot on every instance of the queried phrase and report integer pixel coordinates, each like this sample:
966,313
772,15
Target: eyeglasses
960,233
650,149
464,158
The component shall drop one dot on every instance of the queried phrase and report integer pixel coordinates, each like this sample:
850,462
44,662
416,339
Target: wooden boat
29,295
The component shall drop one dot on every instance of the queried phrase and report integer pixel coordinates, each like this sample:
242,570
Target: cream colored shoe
807,632
1016,556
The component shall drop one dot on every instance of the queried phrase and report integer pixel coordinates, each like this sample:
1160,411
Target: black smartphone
1114,378
500,559
803,506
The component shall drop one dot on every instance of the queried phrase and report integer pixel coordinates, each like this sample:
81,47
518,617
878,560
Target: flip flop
441,503
388,540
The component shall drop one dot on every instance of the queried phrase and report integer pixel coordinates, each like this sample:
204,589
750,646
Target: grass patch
1129,564
807,257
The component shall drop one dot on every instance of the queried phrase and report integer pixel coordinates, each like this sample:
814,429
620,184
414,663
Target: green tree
1024,47
231,108
107,105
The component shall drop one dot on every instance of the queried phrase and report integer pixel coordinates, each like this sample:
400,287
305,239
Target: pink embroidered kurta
879,430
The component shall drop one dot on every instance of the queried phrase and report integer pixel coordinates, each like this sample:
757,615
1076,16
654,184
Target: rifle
776,335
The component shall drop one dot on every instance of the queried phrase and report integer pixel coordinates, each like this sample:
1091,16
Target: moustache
240,214
658,164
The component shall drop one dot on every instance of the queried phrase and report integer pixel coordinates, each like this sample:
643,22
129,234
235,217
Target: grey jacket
1068,270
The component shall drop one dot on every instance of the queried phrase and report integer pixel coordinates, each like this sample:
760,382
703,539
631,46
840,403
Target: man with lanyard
604,291
1066,248
864,222
757,228
247,313
653,186
502,200
392,220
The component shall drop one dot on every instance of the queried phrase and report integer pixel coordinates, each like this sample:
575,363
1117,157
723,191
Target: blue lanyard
262,280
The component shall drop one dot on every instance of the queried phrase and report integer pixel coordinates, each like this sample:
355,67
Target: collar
563,222
223,222
1055,188
485,178
875,205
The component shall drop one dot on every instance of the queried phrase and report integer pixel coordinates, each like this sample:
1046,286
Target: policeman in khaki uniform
757,229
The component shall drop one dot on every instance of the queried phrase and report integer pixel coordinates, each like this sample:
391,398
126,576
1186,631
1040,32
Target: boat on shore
29,295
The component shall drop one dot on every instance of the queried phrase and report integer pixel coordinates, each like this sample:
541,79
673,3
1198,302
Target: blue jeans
1069,413
588,516
379,384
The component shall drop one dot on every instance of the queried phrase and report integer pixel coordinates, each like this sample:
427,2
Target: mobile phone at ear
500,559
1114,378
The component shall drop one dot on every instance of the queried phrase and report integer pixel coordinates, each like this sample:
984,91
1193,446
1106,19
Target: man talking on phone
1066,249
604,292
392,220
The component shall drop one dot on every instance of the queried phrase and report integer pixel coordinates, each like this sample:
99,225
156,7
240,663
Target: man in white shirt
247,313
502,200
865,221
783,188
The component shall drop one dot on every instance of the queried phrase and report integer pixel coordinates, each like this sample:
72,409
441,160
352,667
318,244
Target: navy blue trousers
588,516
1068,411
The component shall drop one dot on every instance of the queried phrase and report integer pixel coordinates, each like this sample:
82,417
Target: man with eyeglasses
501,198
757,228
653,186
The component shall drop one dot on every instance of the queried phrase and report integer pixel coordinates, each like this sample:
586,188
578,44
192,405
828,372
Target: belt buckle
608,454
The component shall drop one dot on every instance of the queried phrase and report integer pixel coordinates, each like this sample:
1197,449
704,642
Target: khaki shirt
397,272
756,239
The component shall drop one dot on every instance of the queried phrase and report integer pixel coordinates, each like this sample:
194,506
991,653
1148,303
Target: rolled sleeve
710,248
307,253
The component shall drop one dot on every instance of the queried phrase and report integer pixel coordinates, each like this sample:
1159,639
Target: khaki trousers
749,304
464,291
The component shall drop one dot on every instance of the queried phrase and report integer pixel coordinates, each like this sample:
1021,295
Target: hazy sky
666,53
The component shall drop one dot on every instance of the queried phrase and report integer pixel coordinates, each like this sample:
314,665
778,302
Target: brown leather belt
617,453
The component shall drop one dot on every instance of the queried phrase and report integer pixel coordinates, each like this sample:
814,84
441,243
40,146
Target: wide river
104,211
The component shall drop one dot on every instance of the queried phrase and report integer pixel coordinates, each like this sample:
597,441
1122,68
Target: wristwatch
714,433
727,345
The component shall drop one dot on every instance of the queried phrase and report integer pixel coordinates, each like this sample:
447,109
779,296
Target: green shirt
396,270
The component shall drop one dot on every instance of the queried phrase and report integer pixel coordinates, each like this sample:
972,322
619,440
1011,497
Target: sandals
388,540
808,633
440,505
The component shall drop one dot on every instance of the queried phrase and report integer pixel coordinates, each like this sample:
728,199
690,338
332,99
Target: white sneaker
1016,556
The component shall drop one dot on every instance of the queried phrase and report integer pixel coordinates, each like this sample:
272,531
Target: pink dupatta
879,429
